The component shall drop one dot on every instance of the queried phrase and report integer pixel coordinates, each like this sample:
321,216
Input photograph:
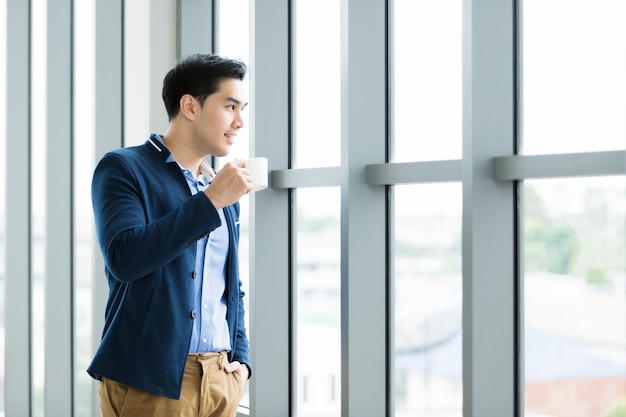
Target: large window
317,143
426,247
574,259
444,231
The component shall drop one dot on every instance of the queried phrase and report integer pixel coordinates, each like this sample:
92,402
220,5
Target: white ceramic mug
258,170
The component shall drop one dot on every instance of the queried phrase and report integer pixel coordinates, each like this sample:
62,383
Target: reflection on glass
84,110
427,300
318,83
318,347
427,75
234,42
575,297
574,89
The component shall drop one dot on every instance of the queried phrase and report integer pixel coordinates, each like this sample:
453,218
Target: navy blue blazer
147,223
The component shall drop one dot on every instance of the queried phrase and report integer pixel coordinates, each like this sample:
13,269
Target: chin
221,153
218,151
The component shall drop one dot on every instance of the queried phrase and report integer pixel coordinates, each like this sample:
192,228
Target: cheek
220,121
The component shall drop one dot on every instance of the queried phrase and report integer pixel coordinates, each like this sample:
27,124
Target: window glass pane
84,112
427,300
234,42
317,83
427,75
318,346
574,88
38,199
575,297
139,94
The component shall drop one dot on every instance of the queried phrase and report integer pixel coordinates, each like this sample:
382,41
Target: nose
238,122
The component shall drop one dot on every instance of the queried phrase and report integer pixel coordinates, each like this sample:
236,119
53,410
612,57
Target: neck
181,153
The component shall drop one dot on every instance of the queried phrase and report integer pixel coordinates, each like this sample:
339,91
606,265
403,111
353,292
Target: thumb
232,366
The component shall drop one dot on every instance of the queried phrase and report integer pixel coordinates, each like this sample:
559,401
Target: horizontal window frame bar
375,174
413,172
305,177
521,167
505,168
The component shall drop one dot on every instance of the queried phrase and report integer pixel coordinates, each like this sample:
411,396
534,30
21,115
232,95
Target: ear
188,106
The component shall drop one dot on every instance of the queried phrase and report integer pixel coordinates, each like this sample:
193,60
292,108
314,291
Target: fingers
238,368
244,171
230,184
237,172
232,367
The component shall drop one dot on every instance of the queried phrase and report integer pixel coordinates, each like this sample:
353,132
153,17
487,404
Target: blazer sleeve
137,232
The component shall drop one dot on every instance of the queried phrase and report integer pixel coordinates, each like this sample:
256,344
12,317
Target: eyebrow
237,102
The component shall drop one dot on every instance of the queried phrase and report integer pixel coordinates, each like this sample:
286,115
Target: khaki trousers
207,391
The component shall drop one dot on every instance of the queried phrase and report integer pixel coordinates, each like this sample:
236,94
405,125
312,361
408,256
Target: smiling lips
230,137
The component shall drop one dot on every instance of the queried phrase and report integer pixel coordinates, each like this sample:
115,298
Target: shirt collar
155,142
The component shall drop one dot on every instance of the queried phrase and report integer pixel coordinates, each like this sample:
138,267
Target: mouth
230,137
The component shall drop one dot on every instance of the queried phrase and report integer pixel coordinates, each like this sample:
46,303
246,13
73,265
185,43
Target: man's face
220,118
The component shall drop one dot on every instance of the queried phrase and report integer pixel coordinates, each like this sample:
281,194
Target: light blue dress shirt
210,328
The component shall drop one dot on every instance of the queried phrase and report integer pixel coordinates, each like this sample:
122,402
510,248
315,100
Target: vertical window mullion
58,271
84,243
17,255
270,249
363,223
489,374
108,134
194,34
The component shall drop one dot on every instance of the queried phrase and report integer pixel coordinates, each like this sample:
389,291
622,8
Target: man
174,341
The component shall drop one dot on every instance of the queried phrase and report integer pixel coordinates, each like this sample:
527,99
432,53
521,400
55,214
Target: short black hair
198,75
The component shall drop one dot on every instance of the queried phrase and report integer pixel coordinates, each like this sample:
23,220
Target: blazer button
192,314
193,274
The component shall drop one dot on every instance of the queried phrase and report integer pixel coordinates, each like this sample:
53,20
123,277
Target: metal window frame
17,359
59,234
109,134
271,388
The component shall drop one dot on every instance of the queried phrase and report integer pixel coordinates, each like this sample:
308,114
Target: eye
231,107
